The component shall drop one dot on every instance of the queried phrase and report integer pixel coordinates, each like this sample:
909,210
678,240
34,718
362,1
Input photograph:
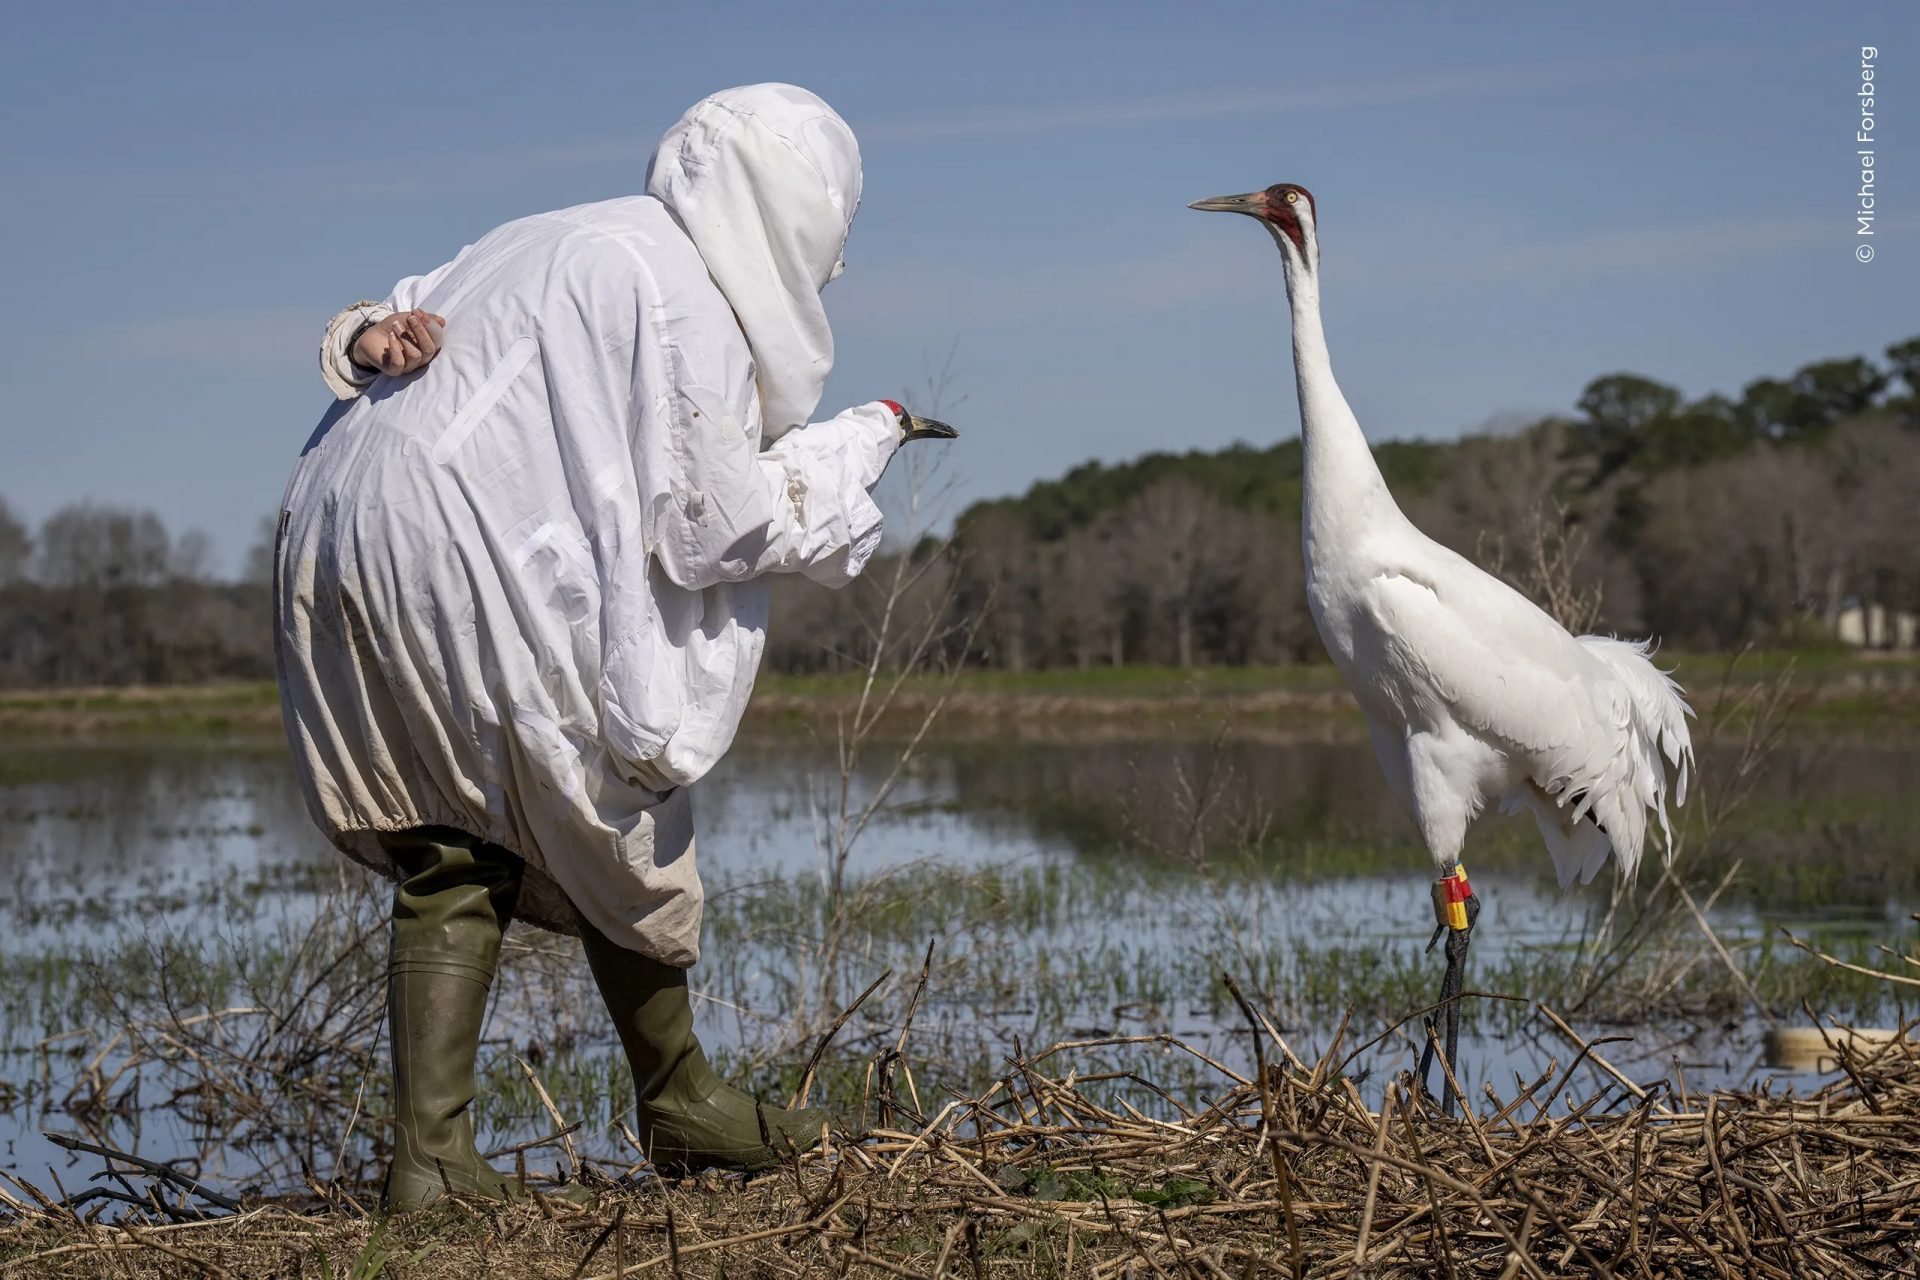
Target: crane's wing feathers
1597,732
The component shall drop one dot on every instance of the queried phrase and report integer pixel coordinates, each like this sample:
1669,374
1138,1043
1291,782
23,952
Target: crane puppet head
1285,209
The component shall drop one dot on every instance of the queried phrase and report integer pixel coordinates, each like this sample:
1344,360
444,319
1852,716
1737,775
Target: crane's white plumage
1476,696
1472,694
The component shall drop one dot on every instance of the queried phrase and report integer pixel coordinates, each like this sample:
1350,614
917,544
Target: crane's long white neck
1343,487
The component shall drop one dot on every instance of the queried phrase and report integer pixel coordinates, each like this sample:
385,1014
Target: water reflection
123,821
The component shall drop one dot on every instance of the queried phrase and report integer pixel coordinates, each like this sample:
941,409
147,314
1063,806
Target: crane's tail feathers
1579,847
1644,755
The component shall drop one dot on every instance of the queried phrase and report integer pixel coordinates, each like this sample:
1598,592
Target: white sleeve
345,378
835,465
801,506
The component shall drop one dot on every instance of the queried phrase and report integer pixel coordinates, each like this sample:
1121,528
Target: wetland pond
189,972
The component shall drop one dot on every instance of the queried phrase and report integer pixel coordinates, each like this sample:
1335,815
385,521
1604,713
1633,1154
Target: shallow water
1071,889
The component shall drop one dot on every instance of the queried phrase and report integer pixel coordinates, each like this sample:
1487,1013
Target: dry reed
1053,1173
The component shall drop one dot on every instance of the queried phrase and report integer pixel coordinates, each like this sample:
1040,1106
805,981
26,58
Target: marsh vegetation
190,974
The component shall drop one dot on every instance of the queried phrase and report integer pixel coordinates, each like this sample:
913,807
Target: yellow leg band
1450,893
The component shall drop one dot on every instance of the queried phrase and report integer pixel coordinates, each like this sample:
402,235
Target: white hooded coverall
521,592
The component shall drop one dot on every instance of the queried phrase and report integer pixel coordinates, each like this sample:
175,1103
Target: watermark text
1865,146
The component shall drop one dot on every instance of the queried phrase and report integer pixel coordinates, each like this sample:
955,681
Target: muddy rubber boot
689,1118
449,915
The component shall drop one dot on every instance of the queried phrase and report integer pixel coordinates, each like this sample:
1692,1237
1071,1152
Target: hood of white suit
765,180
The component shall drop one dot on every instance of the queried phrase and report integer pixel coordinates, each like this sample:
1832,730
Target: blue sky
1513,198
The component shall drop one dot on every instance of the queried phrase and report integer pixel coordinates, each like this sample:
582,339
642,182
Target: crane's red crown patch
1283,202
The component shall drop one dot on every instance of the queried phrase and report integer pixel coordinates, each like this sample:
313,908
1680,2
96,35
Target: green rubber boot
449,915
689,1118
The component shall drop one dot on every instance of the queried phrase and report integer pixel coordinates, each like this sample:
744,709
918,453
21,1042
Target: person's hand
400,344
914,427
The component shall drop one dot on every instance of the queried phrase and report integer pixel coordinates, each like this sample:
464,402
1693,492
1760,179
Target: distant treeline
105,595
1709,523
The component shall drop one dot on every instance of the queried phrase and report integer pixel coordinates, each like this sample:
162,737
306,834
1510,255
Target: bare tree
917,631
258,569
1002,563
16,546
1086,595
190,558
1741,548
1175,556
1266,597
84,545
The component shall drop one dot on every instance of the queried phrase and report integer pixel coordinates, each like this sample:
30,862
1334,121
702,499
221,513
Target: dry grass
1046,1174
1844,688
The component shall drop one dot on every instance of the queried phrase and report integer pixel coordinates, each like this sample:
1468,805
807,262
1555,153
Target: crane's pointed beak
1251,203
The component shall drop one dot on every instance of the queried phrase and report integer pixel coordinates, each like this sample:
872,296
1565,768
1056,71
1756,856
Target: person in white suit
521,593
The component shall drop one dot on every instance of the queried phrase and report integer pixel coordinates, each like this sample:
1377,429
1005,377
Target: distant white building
1874,626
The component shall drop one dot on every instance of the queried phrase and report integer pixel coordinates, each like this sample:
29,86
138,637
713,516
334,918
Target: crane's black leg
1457,942
1451,891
